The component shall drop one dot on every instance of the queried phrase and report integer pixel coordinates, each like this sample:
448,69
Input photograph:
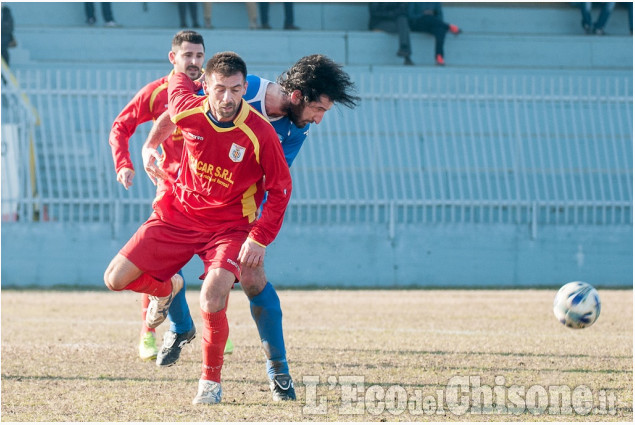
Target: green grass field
400,355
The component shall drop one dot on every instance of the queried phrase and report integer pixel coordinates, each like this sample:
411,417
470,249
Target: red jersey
223,168
148,104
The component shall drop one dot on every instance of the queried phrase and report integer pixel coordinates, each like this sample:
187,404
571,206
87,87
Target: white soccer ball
577,305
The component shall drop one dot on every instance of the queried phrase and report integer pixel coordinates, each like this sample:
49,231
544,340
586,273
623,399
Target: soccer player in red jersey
231,157
300,98
187,55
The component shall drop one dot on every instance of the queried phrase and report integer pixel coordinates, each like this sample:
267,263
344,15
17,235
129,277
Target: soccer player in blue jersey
300,97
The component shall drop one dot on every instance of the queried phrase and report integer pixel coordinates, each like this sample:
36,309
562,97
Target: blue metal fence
427,147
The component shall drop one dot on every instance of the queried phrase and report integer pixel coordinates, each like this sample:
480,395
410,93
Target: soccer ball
577,305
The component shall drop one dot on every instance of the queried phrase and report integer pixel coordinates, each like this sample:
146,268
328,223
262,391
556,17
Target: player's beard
226,110
193,72
294,112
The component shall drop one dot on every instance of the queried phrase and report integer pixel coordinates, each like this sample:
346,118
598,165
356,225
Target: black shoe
172,345
265,27
282,387
407,61
291,27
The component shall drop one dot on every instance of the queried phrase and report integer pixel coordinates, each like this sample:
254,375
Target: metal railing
19,120
421,148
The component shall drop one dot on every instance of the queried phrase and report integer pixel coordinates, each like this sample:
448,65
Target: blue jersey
291,137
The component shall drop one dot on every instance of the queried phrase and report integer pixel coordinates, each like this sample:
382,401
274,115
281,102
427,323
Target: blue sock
179,312
265,309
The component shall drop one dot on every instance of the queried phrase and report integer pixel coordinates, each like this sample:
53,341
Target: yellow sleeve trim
256,242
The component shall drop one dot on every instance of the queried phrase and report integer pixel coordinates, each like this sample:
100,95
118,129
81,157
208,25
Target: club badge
236,153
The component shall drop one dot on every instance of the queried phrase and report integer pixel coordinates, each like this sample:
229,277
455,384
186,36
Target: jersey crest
236,153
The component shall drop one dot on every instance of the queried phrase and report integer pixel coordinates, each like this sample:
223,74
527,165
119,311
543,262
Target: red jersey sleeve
277,184
136,112
181,94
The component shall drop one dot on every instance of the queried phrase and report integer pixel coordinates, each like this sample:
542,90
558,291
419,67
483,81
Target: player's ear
296,97
171,56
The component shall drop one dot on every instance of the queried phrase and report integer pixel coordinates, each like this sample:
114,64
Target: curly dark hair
226,64
317,75
189,36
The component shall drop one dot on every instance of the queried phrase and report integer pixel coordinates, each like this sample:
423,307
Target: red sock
215,334
145,301
146,284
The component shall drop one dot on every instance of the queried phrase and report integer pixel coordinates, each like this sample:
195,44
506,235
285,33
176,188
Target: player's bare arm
152,160
162,128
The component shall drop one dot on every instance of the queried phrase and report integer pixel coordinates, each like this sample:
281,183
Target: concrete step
354,48
475,17
496,51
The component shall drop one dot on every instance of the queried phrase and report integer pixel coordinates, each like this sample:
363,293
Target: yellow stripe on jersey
155,93
187,113
249,203
254,141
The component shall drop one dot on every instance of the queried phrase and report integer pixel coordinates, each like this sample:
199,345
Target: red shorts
162,249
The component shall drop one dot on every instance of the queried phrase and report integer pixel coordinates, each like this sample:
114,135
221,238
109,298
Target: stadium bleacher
514,161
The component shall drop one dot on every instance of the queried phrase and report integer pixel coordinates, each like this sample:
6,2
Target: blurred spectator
288,16
207,15
8,40
106,12
428,17
193,8
252,14
392,18
587,21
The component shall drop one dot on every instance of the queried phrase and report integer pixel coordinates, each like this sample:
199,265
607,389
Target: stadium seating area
516,154
540,35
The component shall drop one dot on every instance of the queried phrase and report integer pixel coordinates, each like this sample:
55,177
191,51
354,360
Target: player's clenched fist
124,176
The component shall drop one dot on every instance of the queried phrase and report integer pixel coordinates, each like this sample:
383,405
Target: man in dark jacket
393,18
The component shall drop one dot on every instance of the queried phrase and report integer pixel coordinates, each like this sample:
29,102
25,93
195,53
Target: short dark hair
189,36
226,64
317,75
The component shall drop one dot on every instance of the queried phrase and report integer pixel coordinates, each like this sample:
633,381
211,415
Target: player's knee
253,281
110,280
212,305
253,288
